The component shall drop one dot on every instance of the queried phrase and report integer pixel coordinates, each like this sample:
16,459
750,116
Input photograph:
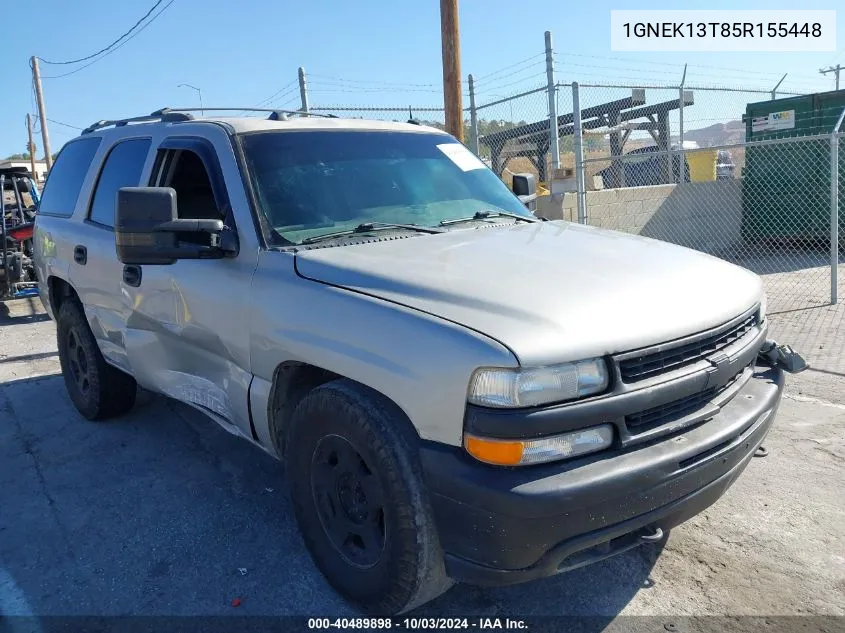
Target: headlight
529,387
764,304
546,449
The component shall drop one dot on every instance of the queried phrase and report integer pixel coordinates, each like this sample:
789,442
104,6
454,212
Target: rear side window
64,181
122,168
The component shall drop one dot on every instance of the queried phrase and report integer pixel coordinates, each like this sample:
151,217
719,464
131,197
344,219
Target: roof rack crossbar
155,116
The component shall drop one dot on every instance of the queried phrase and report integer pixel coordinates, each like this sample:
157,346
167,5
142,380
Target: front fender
419,361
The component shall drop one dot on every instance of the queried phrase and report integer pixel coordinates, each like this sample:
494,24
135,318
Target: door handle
80,254
132,276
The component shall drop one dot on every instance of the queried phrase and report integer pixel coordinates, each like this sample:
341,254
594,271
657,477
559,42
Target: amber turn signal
541,450
501,453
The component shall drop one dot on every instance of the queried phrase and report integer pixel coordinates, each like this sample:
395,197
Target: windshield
312,183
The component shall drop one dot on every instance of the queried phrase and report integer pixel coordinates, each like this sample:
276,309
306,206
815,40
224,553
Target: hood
549,291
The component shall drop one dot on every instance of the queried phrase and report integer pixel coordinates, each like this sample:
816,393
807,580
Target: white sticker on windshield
461,156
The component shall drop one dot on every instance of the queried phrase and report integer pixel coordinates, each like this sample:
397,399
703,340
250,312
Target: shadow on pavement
162,512
25,311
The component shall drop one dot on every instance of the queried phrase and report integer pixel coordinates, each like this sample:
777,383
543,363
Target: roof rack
275,113
175,115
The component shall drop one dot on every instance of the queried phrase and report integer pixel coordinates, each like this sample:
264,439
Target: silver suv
459,390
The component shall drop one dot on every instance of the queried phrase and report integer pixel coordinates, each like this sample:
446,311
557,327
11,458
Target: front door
187,332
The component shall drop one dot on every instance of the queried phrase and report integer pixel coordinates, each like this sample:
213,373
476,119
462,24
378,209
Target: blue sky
371,52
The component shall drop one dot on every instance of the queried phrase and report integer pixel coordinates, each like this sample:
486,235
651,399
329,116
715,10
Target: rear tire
357,494
97,390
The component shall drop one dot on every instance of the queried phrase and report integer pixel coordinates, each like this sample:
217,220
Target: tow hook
761,451
654,537
783,356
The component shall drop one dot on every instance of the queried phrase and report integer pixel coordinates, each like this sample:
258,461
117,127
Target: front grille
675,410
648,365
657,416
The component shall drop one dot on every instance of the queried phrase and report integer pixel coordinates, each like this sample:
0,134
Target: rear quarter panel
53,249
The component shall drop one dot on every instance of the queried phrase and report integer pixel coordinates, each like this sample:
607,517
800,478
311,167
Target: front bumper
503,526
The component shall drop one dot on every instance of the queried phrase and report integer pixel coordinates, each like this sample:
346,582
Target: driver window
184,171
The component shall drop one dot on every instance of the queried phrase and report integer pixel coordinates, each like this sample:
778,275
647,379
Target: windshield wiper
483,215
371,226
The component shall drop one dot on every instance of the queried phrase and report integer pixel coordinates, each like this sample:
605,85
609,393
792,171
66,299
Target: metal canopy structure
532,140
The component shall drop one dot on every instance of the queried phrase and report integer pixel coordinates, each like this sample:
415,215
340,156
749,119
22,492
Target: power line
116,48
679,66
501,70
510,74
286,103
103,50
285,89
73,127
833,69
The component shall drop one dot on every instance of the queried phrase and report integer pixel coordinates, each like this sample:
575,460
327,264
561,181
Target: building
40,168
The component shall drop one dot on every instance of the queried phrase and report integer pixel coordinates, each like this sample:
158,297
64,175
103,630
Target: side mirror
525,187
147,229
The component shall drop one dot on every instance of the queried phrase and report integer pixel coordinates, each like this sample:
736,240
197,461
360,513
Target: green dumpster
786,186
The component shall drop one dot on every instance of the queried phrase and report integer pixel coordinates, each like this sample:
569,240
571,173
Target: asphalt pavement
160,512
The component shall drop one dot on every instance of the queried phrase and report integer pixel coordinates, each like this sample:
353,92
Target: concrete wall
701,215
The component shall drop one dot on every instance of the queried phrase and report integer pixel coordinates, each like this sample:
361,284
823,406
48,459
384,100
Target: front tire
97,390
357,494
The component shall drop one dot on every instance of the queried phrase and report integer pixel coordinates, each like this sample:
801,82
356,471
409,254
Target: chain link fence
511,134
771,215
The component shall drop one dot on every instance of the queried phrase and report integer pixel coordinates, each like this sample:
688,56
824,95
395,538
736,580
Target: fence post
473,118
777,85
551,88
578,134
681,154
834,214
303,90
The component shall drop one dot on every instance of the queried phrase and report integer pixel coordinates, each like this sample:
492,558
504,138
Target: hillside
719,134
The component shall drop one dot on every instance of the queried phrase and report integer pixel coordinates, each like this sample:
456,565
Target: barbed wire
337,87
319,76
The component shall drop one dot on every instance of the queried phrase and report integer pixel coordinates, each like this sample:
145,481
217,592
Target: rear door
55,231
95,272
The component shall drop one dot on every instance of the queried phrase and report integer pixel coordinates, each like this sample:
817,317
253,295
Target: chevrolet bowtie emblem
721,371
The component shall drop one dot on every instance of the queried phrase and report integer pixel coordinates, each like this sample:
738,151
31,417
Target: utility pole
833,69
451,52
303,90
39,96
551,93
30,147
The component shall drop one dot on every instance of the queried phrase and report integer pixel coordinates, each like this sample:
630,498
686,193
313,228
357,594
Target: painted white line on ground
824,403
13,602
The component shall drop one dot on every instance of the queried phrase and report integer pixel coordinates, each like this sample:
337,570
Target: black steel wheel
78,361
349,501
356,487
97,389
